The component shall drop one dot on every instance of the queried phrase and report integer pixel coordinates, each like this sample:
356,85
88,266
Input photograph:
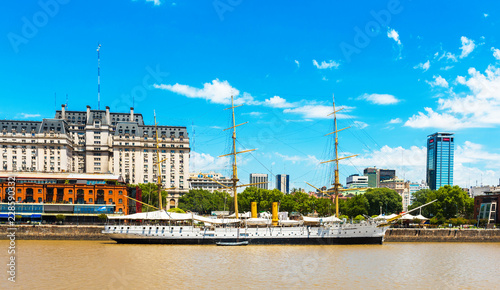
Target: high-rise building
376,175
98,141
283,183
440,148
259,177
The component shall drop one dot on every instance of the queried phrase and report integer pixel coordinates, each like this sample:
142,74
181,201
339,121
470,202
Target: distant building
482,190
259,177
401,187
440,156
357,184
376,175
372,174
486,207
77,195
98,141
283,183
357,180
210,181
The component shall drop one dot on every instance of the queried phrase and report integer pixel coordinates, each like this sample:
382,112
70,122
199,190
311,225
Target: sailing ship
161,227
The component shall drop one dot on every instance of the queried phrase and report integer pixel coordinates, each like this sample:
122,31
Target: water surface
106,265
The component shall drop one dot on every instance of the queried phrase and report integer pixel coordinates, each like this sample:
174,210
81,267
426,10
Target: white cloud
202,162
326,65
471,161
360,125
298,64
277,102
448,67
479,108
155,2
395,121
433,120
447,55
380,99
438,82
467,46
309,159
485,15
27,116
254,114
218,92
393,34
496,53
316,111
425,66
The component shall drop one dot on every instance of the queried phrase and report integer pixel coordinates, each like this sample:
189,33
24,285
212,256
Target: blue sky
402,70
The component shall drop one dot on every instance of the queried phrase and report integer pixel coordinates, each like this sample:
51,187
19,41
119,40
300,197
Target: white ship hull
364,233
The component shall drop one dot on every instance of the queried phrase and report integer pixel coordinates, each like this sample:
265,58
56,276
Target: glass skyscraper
440,148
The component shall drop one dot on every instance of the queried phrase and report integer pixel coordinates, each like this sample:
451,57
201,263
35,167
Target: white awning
330,219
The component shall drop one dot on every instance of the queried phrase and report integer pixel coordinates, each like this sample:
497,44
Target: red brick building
76,189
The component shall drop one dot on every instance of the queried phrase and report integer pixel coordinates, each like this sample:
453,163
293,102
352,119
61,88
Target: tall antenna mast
98,77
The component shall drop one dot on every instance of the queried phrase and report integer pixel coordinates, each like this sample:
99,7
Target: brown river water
106,265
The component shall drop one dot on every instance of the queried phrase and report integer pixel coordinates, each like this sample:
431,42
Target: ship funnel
254,209
275,213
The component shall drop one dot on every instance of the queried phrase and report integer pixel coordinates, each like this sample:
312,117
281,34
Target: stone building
98,141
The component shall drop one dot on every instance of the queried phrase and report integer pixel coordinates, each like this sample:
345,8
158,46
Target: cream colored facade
401,187
98,141
206,181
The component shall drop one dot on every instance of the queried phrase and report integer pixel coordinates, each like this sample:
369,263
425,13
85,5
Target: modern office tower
376,175
283,183
259,177
355,180
440,148
98,141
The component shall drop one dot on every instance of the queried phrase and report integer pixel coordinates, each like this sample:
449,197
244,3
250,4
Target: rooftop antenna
98,77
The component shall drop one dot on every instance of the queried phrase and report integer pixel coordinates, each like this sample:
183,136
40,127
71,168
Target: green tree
176,210
452,202
357,205
102,217
204,202
60,218
387,199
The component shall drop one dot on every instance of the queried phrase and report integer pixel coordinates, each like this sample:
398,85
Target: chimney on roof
108,118
131,114
63,112
88,113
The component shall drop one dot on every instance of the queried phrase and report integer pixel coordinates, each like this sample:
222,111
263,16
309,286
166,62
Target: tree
60,218
176,210
204,202
387,199
357,205
102,217
452,202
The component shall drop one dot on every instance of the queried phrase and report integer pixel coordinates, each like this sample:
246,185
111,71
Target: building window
90,200
120,201
120,192
110,200
110,192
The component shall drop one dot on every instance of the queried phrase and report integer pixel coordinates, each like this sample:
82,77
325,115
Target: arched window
120,200
110,192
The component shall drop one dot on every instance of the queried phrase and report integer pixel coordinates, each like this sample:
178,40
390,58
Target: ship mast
233,154
336,184
159,167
